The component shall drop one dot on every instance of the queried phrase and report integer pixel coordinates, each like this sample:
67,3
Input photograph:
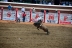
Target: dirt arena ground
25,35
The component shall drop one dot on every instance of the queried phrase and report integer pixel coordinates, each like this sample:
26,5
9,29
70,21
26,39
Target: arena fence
56,17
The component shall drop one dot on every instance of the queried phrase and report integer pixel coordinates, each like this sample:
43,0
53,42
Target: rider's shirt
37,19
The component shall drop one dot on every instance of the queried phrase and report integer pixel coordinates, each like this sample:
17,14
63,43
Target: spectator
21,1
33,10
44,2
23,15
18,18
23,9
40,2
33,1
10,0
56,2
5,0
9,7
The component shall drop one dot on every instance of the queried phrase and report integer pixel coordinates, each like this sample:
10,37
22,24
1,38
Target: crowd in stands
49,2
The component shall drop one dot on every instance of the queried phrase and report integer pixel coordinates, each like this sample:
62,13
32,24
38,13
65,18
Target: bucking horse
40,25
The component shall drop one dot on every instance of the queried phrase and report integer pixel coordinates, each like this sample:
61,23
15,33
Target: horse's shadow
37,33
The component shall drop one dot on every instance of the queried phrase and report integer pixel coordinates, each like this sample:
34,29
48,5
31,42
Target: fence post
58,16
44,15
30,15
16,14
1,13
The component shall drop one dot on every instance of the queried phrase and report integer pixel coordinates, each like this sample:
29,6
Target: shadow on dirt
38,33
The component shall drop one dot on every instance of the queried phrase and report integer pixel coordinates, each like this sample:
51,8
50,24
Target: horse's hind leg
48,32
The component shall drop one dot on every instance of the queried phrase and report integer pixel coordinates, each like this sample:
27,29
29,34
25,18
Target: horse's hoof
38,29
48,33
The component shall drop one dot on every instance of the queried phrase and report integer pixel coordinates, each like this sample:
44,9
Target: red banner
8,14
65,18
65,22
51,17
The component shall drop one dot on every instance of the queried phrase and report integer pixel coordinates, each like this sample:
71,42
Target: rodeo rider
37,21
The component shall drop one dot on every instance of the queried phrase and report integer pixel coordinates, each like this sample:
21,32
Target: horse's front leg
38,27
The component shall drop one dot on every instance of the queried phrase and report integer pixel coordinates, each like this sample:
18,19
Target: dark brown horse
40,25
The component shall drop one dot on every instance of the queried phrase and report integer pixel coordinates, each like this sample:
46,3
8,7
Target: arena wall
64,17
